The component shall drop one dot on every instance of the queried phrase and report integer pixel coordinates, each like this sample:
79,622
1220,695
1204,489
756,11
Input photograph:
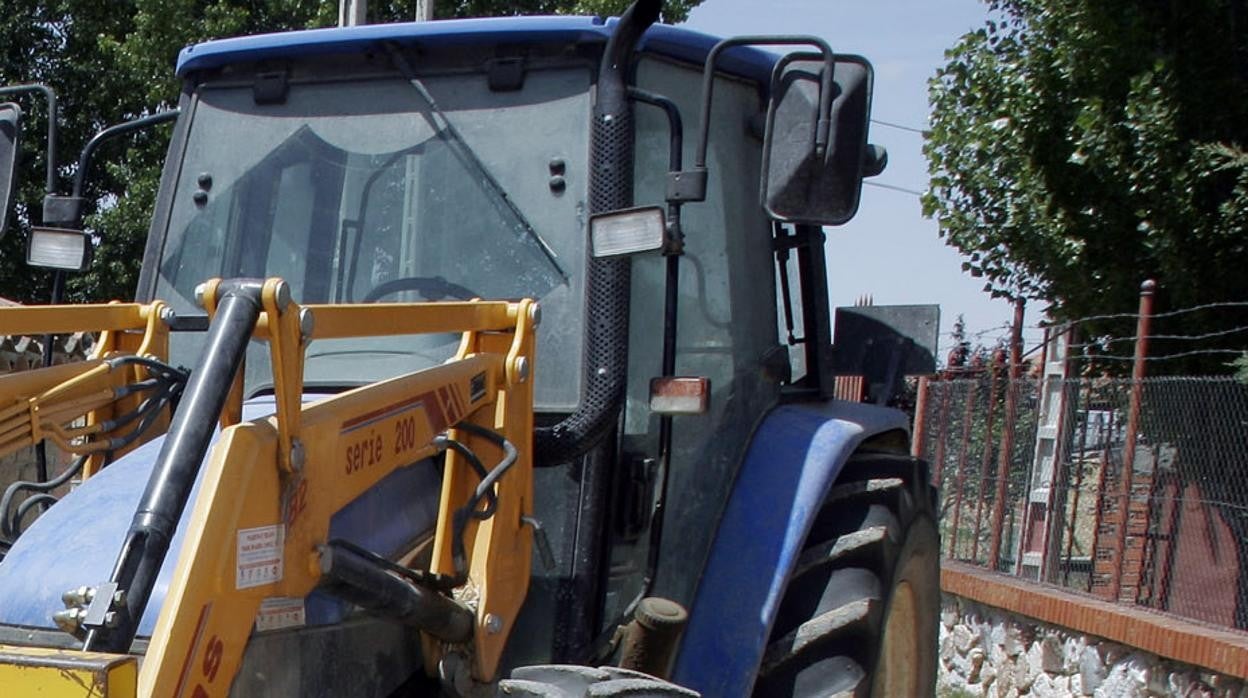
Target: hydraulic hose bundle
46,416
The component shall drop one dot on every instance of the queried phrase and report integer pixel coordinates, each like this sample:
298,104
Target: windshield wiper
466,153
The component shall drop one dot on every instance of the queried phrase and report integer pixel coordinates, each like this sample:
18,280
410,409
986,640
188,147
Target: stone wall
985,651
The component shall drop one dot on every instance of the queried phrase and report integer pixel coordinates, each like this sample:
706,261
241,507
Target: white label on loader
260,555
277,612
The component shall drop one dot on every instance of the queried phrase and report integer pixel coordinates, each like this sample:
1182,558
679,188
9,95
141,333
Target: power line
1172,313
894,187
1194,352
899,127
1189,337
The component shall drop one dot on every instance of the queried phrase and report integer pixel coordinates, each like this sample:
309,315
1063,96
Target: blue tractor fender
794,457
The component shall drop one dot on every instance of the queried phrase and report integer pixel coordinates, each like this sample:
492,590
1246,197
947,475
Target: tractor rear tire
859,614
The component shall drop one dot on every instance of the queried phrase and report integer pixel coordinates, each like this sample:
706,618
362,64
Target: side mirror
10,130
799,183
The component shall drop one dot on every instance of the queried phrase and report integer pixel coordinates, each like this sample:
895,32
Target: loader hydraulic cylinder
178,464
353,577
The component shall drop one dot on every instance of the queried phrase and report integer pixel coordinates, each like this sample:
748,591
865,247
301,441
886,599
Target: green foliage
1240,366
113,61
1079,147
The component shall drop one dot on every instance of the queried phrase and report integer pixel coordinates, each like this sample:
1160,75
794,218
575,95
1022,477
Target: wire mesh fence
1036,475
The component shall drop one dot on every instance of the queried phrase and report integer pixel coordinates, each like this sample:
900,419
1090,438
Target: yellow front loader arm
73,405
258,529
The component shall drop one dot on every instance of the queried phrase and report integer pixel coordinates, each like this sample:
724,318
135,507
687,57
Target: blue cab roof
661,39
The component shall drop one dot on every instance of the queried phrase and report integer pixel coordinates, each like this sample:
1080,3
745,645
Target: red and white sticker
277,612
259,559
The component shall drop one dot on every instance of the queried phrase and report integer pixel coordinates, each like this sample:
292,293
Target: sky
889,251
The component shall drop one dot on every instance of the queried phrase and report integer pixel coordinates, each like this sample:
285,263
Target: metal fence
1032,484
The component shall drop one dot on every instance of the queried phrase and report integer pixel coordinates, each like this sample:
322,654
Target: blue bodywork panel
76,542
795,456
664,40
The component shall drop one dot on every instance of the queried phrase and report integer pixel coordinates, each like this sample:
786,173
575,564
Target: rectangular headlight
628,231
58,248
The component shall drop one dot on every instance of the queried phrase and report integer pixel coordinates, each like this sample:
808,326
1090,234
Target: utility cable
893,187
1180,355
899,127
1171,313
1184,337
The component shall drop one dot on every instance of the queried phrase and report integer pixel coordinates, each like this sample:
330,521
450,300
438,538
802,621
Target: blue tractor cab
661,193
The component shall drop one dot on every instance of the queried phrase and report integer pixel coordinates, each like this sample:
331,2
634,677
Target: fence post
942,425
920,420
1007,435
1133,429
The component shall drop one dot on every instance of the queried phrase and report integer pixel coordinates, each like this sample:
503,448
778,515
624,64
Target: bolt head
78,596
201,291
493,623
68,620
281,294
306,323
298,457
535,314
522,369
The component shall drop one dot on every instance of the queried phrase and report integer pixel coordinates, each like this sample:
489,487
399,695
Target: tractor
471,356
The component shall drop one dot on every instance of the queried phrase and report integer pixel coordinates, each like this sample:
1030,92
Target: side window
727,312
790,312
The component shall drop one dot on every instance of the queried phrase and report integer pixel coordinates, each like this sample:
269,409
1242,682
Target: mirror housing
800,185
10,132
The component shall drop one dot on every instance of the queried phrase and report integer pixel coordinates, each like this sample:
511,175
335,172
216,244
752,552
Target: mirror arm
50,96
84,160
677,190
674,124
824,126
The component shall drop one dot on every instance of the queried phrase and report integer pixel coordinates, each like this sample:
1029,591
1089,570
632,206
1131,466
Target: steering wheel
434,288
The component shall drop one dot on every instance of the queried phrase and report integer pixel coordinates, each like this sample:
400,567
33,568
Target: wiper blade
468,154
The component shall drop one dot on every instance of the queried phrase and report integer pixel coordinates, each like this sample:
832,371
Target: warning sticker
260,555
277,612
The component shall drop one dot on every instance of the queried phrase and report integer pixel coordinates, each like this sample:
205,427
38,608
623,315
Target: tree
1079,147
111,62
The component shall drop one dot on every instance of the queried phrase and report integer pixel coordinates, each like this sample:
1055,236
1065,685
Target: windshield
357,192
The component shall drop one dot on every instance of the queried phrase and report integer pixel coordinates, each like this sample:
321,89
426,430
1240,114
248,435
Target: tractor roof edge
665,40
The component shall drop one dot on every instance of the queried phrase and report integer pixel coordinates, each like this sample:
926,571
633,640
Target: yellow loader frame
274,483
